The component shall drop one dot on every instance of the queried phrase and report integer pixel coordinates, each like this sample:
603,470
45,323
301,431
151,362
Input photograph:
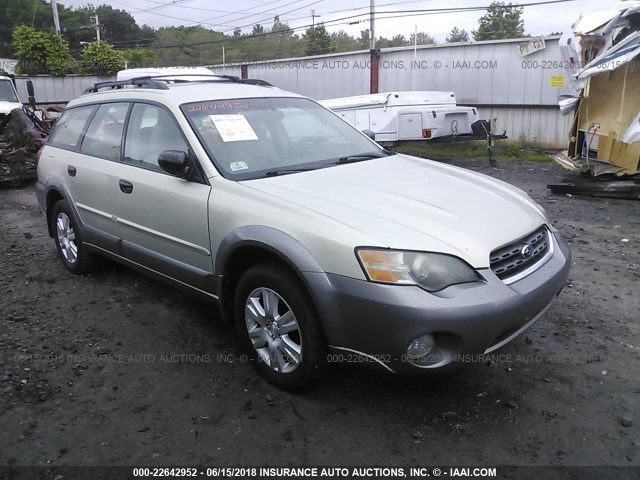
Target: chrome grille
510,260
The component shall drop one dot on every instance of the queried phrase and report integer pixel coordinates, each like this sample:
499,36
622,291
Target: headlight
431,271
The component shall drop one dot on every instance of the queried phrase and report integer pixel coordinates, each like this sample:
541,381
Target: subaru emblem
526,251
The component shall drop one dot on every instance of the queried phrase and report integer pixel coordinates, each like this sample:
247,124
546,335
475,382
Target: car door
90,170
164,218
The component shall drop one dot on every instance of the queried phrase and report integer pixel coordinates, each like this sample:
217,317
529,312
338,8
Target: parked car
319,244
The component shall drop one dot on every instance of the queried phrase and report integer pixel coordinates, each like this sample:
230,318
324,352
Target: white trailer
406,116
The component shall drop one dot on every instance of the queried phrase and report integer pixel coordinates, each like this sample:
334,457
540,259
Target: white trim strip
364,355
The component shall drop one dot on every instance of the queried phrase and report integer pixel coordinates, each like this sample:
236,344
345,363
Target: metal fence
520,92
56,90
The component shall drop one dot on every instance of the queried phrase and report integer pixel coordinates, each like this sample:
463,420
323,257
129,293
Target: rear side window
104,136
70,126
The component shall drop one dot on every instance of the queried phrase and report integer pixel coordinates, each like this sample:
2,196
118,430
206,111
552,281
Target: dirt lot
116,369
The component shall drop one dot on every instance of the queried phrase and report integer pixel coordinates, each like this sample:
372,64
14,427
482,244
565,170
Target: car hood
414,204
7,107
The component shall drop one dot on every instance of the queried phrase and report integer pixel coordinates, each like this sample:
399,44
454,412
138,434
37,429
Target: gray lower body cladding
380,321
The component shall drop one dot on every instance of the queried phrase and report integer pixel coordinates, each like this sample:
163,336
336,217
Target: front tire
68,238
278,326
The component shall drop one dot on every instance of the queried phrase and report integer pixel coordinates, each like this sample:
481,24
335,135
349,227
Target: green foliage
457,36
317,40
40,52
395,41
102,59
117,26
141,58
500,21
423,39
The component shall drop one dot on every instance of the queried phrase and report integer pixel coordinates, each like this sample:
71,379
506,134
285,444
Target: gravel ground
116,369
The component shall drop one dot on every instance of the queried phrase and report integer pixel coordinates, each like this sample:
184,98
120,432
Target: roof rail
159,82
148,82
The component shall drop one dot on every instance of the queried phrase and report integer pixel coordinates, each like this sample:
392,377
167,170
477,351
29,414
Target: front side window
151,130
69,127
104,136
7,92
256,137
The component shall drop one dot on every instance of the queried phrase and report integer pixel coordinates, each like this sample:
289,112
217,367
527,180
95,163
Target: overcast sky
225,15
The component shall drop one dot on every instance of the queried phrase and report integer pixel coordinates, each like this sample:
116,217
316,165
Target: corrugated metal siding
233,70
489,74
321,77
541,126
513,89
492,75
57,89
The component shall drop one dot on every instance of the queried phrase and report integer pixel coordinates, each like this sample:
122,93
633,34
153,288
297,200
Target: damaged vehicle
320,245
23,132
602,51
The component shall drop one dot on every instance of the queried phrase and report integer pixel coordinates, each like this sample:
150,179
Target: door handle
71,170
126,187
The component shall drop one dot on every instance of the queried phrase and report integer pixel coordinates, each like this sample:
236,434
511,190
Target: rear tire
278,326
68,238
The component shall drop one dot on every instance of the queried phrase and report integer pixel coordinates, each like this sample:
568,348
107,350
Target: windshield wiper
286,171
365,156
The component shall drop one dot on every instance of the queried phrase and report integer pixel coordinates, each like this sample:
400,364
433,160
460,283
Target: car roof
177,94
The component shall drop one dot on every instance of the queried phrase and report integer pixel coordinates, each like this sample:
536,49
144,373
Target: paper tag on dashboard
233,128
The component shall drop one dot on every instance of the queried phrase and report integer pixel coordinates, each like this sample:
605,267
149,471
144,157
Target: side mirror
175,163
31,93
370,134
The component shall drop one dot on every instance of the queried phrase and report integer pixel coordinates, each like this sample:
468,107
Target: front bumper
371,323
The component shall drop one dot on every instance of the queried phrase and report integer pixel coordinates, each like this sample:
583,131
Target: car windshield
257,137
7,93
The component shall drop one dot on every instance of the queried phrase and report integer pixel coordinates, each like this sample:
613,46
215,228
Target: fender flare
280,244
56,185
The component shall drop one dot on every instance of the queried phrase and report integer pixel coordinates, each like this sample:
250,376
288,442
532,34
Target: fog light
420,347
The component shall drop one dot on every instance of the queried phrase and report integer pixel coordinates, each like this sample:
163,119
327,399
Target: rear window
104,136
69,128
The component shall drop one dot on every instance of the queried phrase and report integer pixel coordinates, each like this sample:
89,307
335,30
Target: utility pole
56,19
313,18
97,27
372,26
415,58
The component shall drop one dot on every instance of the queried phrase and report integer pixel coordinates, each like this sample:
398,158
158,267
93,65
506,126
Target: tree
343,42
364,41
102,59
40,52
500,21
423,39
457,36
317,40
141,58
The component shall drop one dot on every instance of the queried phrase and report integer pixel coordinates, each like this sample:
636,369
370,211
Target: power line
391,14
205,21
233,13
